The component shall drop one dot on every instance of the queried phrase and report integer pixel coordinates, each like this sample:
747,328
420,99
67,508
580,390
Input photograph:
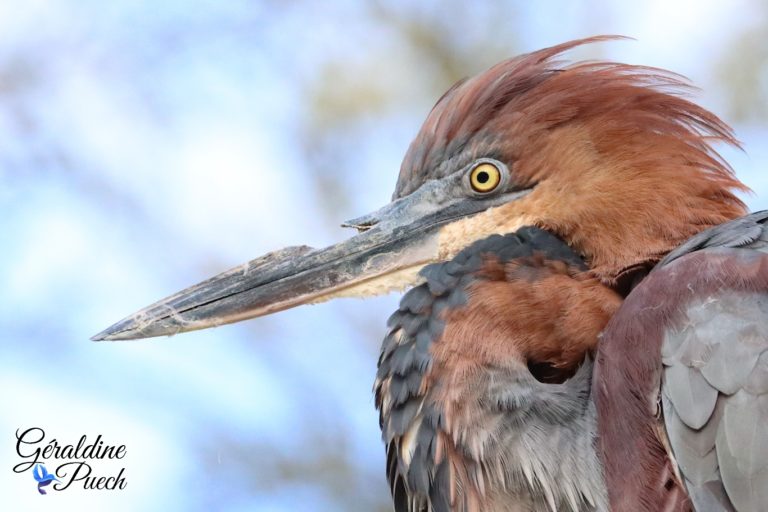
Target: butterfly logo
43,477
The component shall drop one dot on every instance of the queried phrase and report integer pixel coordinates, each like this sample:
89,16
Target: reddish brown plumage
622,168
558,311
527,311
639,474
624,164
606,168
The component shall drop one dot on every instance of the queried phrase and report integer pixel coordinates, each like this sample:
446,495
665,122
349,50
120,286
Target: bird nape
585,329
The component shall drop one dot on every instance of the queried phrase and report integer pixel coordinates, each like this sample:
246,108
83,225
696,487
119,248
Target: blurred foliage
743,70
345,94
263,469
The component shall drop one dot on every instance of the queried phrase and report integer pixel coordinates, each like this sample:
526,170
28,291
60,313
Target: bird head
612,158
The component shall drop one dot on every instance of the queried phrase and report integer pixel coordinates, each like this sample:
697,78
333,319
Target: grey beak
393,244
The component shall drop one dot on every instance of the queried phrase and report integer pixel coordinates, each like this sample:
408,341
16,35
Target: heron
585,322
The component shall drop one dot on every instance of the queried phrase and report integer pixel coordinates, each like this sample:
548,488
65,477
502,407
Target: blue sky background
146,145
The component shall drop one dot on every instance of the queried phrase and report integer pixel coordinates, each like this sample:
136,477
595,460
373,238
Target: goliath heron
586,328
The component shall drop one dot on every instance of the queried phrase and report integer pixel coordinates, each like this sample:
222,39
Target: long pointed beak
393,245
278,281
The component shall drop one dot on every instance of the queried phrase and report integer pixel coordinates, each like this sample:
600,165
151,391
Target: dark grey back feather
715,380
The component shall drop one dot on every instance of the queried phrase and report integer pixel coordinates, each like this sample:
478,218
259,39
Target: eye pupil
483,177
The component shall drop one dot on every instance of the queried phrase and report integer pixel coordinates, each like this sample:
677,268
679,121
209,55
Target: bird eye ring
484,178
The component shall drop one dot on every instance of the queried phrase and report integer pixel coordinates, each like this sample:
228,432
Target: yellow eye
485,177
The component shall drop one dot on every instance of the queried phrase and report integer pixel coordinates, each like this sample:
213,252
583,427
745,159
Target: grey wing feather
715,383
746,231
